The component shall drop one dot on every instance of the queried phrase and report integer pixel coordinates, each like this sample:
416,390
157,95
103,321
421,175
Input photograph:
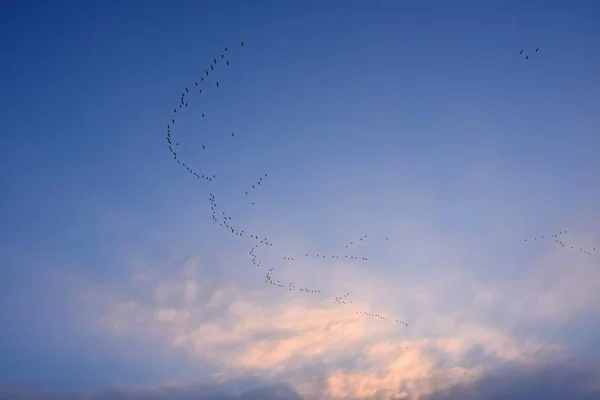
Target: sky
414,126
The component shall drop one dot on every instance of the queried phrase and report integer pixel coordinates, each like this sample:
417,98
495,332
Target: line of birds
183,103
344,300
572,247
561,243
379,316
551,236
291,286
332,256
226,223
255,185
527,55
359,240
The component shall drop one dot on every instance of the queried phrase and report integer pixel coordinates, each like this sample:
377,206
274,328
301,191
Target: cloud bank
468,336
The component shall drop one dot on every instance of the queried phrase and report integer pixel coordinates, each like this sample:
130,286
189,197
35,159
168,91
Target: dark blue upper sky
368,116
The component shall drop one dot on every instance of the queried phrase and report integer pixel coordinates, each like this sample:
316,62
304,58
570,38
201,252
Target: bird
217,83
521,52
227,63
232,135
242,43
212,68
527,57
538,49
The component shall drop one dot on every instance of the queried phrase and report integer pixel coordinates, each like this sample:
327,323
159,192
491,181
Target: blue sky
413,121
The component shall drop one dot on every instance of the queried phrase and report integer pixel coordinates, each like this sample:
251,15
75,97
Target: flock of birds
562,244
527,55
223,219
226,221
183,103
255,185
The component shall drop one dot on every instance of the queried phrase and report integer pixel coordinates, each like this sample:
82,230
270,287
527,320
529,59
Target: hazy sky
418,122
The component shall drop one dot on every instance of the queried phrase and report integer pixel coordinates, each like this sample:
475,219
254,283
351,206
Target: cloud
462,325
246,389
553,381
549,382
